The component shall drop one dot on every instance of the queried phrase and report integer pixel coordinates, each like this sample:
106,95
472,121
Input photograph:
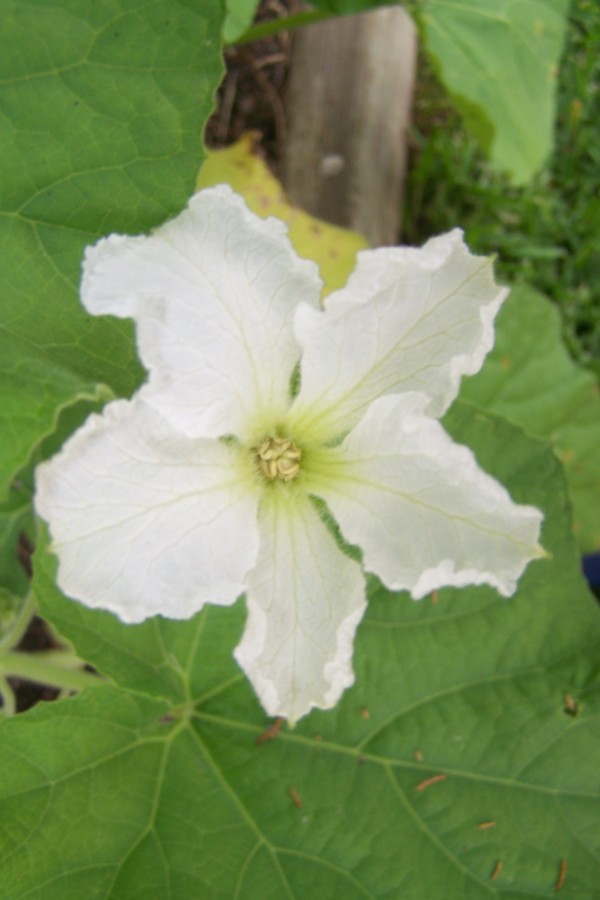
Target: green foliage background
544,233
102,111
157,784
153,784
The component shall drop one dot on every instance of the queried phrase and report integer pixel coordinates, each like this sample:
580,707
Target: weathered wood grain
348,108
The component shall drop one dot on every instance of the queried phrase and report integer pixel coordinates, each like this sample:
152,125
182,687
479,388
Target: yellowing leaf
334,249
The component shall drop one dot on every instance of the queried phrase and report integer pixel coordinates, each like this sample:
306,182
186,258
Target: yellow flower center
278,458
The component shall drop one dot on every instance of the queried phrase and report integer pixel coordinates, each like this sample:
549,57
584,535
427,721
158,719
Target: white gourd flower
201,487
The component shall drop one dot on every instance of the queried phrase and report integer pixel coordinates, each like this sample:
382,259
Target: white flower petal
213,292
423,512
408,320
305,600
145,520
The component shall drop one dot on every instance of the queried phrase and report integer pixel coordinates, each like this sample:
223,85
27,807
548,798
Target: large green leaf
530,379
101,111
115,796
33,390
498,59
15,520
160,657
15,527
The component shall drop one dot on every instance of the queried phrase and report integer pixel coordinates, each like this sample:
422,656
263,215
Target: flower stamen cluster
278,459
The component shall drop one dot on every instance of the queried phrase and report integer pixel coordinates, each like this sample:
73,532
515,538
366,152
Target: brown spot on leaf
429,781
296,798
496,871
562,874
271,732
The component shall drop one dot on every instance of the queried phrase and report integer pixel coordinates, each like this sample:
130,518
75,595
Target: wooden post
348,108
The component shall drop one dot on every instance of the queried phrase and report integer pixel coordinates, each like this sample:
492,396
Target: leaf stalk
59,669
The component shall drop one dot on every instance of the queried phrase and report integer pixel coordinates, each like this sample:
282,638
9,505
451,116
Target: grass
547,233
